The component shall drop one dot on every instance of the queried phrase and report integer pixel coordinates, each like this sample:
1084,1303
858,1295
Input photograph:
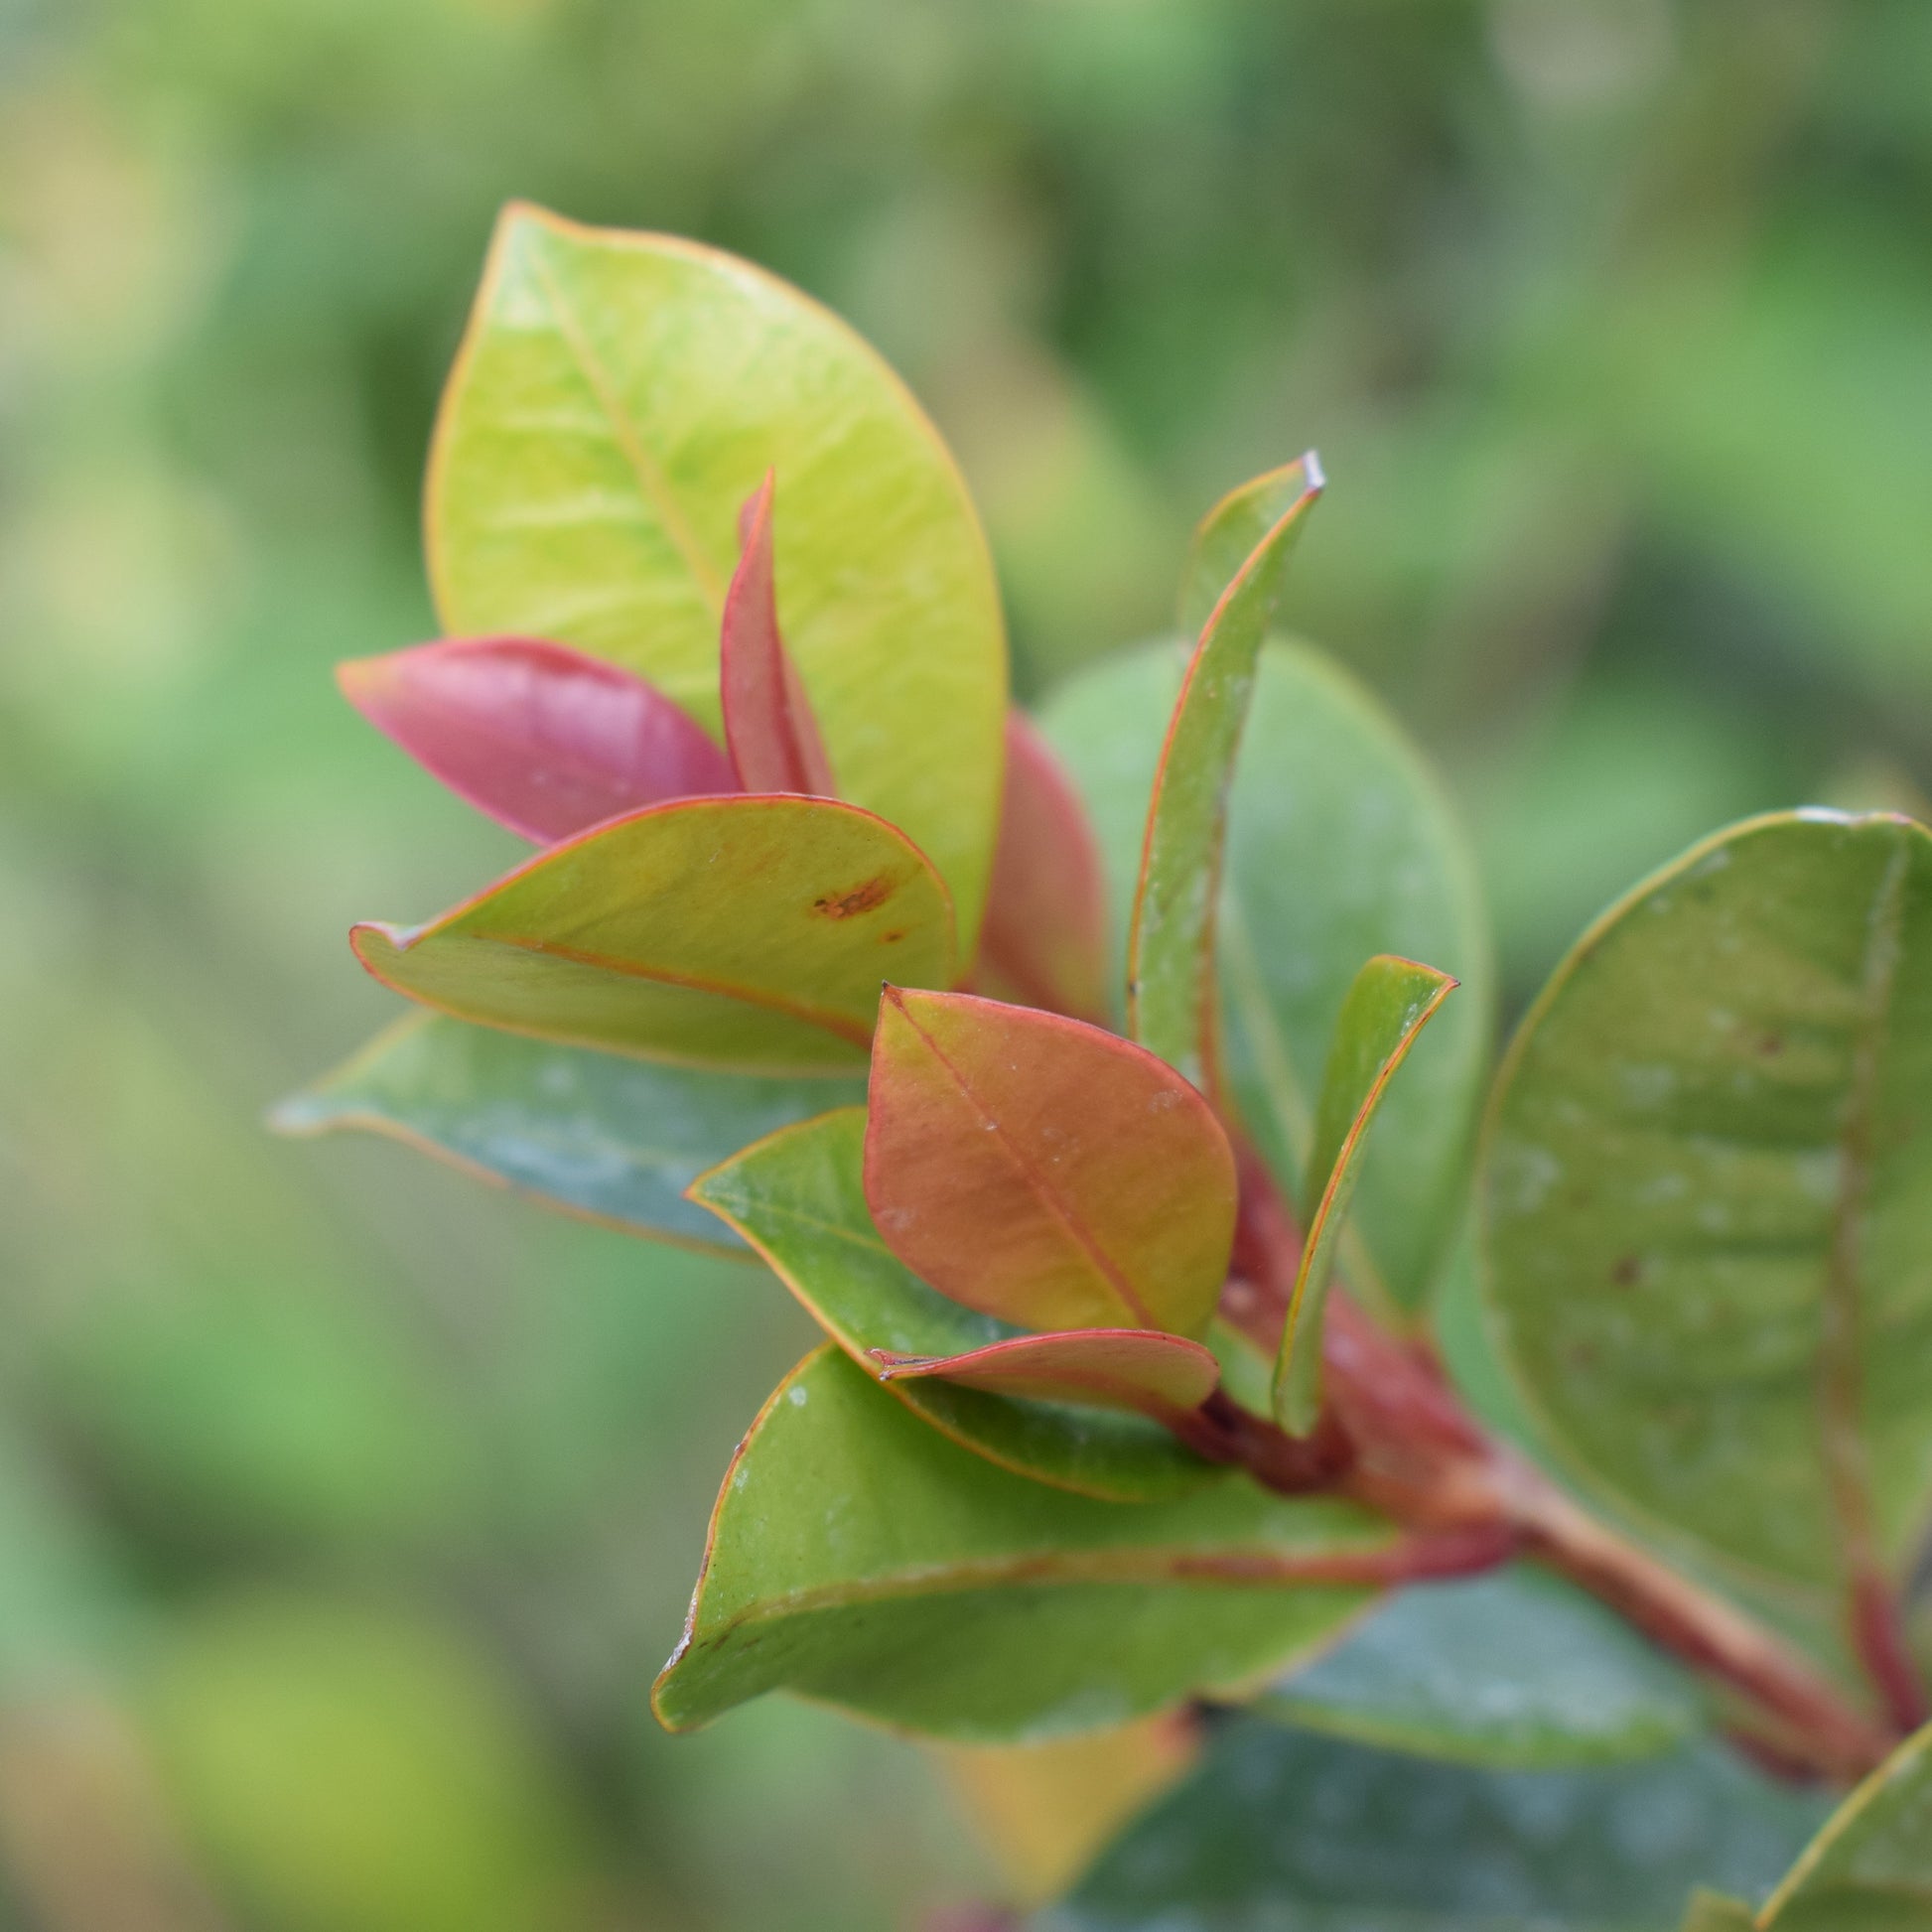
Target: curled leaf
1143,1370
545,740
1171,944
768,724
1044,1170
1044,940
1387,1007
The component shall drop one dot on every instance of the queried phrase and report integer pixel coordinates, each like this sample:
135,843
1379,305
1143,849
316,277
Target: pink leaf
768,724
1142,1369
545,740
1044,940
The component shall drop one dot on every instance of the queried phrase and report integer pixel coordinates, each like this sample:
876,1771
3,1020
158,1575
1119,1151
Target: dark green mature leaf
799,1198
1708,1196
857,1557
745,933
1341,846
1386,1009
1870,1868
1512,1670
618,396
615,1138
1171,943
1285,1832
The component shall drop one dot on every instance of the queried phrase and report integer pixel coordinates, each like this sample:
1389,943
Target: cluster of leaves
1075,1256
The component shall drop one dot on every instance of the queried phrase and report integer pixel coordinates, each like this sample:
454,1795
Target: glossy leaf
1044,1171
1387,1007
1285,1830
545,740
617,399
798,1198
1171,945
1341,846
1512,1670
745,933
1710,1911
617,1139
1045,942
769,728
1708,1193
1142,1371
1229,535
1870,1868
860,1558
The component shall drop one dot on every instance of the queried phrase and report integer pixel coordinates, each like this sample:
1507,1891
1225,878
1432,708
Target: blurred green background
347,1508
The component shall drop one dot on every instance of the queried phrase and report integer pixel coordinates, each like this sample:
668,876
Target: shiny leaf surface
1341,846
545,740
617,399
1044,1171
1387,1007
1870,1868
769,728
1137,1370
614,1138
1171,943
1285,1832
745,933
798,1198
1708,1196
1511,1670
860,1558
1045,942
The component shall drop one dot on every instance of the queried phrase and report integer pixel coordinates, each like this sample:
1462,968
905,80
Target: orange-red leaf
1045,940
1044,1170
1145,1370
769,723
545,740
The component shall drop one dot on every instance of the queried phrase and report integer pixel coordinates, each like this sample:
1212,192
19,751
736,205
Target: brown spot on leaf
861,898
1772,1045
1626,1271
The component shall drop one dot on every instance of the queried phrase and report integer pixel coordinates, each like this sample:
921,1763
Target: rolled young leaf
1171,944
1044,1171
1142,1371
768,724
1340,845
1229,535
617,398
1704,1201
799,1197
1045,942
546,741
1870,1868
739,933
1387,1005
859,1558
607,1135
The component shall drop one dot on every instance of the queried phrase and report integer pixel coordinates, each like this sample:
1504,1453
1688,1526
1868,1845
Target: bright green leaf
799,1200
618,398
1341,846
1707,1195
1387,1007
1285,1830
1510,1670
614,1138
1171,945
743,933
860,1558
1871,1868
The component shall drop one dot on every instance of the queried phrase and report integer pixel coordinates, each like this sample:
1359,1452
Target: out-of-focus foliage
1609,319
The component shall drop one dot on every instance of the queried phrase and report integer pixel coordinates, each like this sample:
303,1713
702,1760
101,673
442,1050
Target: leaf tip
1312,469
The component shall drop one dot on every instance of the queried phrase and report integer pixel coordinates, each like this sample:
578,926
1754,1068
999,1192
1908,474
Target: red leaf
545,740
768,724
1044,940
1044,1170
1142,1369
